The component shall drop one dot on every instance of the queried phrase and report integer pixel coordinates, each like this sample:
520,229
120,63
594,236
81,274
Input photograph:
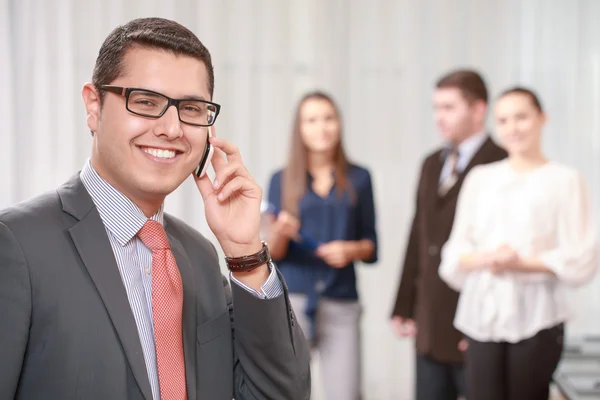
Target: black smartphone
206,157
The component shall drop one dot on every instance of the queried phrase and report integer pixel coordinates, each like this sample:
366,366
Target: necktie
452,177
167,309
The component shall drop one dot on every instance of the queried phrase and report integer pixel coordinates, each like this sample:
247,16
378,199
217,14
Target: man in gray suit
104,296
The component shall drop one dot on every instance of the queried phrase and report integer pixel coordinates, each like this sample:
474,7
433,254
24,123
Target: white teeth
160,153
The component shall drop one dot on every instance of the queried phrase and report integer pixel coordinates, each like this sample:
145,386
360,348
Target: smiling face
519,124
147,158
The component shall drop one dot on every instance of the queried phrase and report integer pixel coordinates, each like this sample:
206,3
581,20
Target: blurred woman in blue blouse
323,221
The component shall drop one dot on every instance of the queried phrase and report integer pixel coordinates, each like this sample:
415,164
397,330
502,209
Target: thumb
204,186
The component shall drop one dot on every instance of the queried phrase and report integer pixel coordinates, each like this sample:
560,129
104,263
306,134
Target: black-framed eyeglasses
148,103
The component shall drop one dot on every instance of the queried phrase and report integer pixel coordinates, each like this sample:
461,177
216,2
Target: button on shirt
122,220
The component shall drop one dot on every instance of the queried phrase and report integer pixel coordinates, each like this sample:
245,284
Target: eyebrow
185,97
193,97
151,94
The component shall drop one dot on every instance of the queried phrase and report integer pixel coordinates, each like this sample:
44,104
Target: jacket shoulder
38,211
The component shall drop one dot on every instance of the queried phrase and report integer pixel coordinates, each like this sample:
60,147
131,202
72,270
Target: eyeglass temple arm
115,89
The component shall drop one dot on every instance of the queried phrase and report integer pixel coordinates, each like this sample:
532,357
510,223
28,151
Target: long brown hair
295,179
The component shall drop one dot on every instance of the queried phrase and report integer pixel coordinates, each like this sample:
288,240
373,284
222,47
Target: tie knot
153,235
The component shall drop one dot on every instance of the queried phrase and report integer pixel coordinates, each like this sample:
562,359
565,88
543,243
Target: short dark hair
527,92
151,33
469,82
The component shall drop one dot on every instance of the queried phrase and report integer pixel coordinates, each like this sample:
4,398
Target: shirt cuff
269,290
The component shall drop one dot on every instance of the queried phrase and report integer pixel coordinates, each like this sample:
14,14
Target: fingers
218,160
497,269
335,260
334,253
404,327
231,176
322,250
287,225
288,218
225,149
330,257
330,250
397,325
239,185
204,186
411,328
289,228
227,172
224,152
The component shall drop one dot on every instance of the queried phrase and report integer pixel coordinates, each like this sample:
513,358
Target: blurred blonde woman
325,222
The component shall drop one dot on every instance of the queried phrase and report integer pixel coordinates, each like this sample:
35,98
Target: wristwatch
248,263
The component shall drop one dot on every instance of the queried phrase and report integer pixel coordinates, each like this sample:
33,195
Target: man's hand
335,253
404,327
232,201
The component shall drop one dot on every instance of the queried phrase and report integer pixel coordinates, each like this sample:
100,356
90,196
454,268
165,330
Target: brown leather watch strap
248,263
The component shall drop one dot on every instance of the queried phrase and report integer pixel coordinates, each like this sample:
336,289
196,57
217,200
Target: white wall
378,58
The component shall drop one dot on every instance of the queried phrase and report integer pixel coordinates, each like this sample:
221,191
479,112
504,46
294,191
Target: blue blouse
324,219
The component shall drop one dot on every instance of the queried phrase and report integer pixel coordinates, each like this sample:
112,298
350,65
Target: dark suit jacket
422,294
67,330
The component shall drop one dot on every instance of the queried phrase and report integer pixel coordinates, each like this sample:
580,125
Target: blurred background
379,59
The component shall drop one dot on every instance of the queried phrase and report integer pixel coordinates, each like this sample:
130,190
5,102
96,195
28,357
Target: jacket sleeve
367,220
574,259
271,354
407,290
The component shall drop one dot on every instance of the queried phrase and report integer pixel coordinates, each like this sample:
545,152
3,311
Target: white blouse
546,213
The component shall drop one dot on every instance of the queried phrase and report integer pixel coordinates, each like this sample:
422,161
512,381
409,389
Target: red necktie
167,309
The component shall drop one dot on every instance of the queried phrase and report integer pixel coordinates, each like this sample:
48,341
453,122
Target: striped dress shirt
122,220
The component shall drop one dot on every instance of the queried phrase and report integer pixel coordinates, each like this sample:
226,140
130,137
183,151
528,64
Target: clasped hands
502,259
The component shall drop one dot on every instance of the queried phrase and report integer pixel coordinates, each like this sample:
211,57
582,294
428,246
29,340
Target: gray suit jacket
67,330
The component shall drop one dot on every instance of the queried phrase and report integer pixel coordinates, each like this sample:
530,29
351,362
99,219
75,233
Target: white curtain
379,58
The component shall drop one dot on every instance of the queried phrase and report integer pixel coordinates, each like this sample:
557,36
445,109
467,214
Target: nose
438,117
511,127
169,124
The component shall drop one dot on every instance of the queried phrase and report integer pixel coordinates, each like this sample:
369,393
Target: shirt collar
472,144
468,147
119,214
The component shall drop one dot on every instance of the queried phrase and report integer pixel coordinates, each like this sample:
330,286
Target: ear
91,98
479,108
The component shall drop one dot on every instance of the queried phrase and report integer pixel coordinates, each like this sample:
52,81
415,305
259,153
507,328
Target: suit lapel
433,180
189,311
479,157
91,241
